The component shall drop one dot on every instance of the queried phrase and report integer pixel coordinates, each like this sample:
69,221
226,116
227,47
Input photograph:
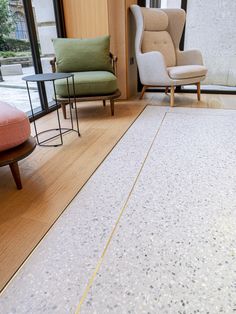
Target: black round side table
46,77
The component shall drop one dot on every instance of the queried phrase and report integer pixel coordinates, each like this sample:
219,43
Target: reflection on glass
15,57
211,28
46,31
163,4
15,52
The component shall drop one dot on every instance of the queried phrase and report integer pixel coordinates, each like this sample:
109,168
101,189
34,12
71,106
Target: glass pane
170,4
16,57
46,31
211,29
163,4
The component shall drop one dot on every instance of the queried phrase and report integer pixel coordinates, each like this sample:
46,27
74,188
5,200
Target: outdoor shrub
7,54
12,44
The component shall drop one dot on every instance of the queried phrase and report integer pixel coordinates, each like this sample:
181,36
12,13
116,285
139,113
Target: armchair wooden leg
199,91
112,102
172,96
63,108
16,174
143,91
104,103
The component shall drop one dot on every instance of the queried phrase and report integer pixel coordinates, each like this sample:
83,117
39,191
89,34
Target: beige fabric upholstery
176,21
162,42
186,71
160,62
155,20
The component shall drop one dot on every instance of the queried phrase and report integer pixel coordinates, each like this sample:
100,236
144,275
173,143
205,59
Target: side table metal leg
58,117
68,91
76,113
32,111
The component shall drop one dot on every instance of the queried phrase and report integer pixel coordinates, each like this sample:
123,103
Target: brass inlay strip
47,232
92,278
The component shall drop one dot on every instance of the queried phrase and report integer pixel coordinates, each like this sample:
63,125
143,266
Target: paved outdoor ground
13,89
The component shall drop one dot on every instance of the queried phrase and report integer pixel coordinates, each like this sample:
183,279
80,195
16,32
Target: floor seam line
200,114
54,223
100,260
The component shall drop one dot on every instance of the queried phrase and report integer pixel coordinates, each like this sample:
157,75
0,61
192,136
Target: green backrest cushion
76,55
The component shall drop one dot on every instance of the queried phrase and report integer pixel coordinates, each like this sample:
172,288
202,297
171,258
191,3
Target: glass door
25,49
45,24
210,27
15,56
162,4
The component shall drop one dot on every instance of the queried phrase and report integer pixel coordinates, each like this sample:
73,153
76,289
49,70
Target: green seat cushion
92,83
75,55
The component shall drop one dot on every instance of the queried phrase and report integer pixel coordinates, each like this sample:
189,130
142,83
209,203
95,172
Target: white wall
211,27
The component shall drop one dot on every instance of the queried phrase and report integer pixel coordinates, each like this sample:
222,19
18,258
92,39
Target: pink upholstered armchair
160,62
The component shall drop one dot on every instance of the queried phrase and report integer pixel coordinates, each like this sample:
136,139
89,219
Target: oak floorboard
51,177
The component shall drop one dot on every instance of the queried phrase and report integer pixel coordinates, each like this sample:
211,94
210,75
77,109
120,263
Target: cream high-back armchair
160,62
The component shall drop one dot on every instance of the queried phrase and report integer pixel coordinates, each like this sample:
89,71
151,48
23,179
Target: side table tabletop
46,77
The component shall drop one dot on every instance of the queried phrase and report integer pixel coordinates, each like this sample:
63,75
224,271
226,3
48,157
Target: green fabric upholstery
76,55
88,84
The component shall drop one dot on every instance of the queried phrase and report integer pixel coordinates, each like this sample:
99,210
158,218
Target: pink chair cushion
14,126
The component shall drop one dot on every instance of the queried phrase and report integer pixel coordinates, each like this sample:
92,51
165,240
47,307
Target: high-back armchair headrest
159,30
154,19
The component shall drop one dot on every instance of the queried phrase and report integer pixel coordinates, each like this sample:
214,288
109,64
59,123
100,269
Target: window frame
32,33
184,6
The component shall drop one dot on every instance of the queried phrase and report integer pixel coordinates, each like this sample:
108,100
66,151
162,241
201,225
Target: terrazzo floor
152,231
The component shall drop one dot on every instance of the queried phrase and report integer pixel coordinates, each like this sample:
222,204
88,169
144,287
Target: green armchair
94,69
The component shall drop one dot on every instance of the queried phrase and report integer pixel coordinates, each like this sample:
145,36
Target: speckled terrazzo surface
174,249
54,277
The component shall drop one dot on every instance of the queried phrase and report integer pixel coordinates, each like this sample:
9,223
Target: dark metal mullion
35,50
142,3
191,91
209,91
40,114
179,89
59,17
184,7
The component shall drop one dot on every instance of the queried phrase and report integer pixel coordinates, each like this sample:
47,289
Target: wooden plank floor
53,176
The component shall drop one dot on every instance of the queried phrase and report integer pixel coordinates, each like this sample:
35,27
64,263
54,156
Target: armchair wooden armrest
53,64
64,101
114,62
